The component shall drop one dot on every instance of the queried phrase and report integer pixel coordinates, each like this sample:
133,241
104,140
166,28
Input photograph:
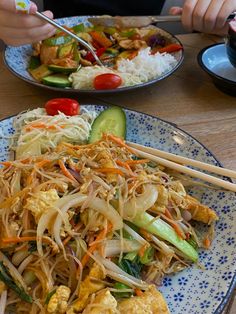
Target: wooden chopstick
152,154
185,160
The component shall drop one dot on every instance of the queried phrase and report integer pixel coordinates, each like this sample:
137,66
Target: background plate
17,59
193,290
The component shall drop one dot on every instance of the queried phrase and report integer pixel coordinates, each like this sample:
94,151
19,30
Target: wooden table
187,98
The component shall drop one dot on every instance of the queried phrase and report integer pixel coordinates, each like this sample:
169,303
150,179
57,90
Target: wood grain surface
187,98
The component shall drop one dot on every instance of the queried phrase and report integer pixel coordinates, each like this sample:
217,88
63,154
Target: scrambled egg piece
89,286
58,302
199,211
151,302
40,202
103,303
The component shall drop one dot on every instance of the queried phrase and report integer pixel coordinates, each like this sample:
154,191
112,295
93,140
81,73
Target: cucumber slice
110,121
59,69
57,80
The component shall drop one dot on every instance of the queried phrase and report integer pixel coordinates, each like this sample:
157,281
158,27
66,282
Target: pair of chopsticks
180,164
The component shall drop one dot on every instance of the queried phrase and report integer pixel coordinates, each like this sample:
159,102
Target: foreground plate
17,59
193,290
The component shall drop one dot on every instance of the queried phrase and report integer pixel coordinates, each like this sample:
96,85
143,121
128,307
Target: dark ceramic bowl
231,43
214,60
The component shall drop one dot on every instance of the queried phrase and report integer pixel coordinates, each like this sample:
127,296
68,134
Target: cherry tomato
68,106
107,81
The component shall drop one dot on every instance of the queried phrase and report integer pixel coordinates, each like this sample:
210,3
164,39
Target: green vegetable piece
65,50
132,268
57,41
78,28
57,80
32,246
109,121
166,232
148,255
192,242
128,34
60,69
40,72
49,295
34,63
76,53
6,277
99,28
110,30
121,286
131,256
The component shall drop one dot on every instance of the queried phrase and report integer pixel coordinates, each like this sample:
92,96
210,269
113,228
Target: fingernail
33,8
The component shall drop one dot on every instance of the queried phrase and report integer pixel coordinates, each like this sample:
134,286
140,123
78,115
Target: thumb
10,5
175,11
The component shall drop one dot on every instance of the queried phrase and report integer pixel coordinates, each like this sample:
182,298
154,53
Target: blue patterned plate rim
202,64
118,90
232,285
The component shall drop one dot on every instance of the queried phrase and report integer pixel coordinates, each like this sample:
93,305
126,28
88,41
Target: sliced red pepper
98,52
169,48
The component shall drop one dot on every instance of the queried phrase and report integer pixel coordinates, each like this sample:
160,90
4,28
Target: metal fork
63,29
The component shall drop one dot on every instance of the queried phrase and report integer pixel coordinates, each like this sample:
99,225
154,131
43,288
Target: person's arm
18,29
208,16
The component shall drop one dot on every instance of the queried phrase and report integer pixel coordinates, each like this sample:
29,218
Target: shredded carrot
146,234
110,170
42,163
175,226
6,163
76,228
95,244
138,292
101,39
32,126
22,239
118,141
135,162
207,243
143,249
64,170
125,165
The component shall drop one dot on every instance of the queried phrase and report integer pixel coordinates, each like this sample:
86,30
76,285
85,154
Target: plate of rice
138,56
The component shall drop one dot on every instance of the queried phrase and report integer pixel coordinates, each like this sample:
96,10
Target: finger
199,13
10,5
227,8
187,14
175,11
23,41
211,15
22,20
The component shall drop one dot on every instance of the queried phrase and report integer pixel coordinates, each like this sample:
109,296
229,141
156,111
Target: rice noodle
3,302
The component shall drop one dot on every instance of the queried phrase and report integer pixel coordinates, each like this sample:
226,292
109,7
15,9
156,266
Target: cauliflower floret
58,302
103,303
40,202
151,302
87,287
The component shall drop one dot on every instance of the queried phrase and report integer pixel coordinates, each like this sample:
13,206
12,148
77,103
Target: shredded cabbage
37,132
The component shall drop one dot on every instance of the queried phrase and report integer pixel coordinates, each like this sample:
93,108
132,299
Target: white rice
144,67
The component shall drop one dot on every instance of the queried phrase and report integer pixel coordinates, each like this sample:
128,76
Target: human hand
208,16
18,28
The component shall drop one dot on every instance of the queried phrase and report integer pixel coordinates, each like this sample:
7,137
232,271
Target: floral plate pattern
17,58
193,290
